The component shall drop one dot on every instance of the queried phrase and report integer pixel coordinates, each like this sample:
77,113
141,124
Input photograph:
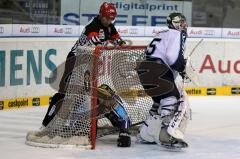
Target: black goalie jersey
96,34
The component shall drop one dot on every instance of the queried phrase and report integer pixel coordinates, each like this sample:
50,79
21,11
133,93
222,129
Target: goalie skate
175,145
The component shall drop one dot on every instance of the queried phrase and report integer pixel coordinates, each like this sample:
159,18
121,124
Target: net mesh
115,67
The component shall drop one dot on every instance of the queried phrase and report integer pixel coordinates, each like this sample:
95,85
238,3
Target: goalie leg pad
167,109
111,105
180,120
150,130
119,118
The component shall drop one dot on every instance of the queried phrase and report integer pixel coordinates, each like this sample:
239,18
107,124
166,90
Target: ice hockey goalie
168,117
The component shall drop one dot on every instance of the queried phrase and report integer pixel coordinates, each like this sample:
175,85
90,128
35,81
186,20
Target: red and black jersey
95,33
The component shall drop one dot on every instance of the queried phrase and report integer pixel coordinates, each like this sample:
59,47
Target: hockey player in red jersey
98,32
169,114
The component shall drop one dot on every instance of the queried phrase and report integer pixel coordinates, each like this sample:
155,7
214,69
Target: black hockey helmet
177,21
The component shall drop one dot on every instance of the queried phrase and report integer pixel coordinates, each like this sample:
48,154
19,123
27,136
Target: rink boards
26,65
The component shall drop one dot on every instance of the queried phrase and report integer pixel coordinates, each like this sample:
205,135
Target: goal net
77,121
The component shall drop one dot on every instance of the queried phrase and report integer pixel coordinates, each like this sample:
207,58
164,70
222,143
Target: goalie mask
105,92
177,21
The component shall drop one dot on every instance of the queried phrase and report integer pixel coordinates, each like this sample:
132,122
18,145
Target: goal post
94,95
77,121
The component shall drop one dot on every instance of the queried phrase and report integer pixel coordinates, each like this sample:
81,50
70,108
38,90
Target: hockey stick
190,71
193,50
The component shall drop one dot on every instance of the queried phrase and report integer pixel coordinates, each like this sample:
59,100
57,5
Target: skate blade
176,148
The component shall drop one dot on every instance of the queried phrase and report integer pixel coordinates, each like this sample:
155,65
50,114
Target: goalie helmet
108,10
177,21
105,91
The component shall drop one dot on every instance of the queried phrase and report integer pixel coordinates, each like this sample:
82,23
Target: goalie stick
189,70
193,50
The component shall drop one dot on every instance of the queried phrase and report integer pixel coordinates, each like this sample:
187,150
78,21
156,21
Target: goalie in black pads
167,119
99,31
111,106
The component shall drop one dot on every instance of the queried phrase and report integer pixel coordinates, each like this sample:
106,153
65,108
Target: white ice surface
214,133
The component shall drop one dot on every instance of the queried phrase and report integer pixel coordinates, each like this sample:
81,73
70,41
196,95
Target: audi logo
209,32
35,29
133,31
1,30
68,31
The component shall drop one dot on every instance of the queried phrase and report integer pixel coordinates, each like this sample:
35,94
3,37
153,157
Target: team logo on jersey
101,34
87,83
